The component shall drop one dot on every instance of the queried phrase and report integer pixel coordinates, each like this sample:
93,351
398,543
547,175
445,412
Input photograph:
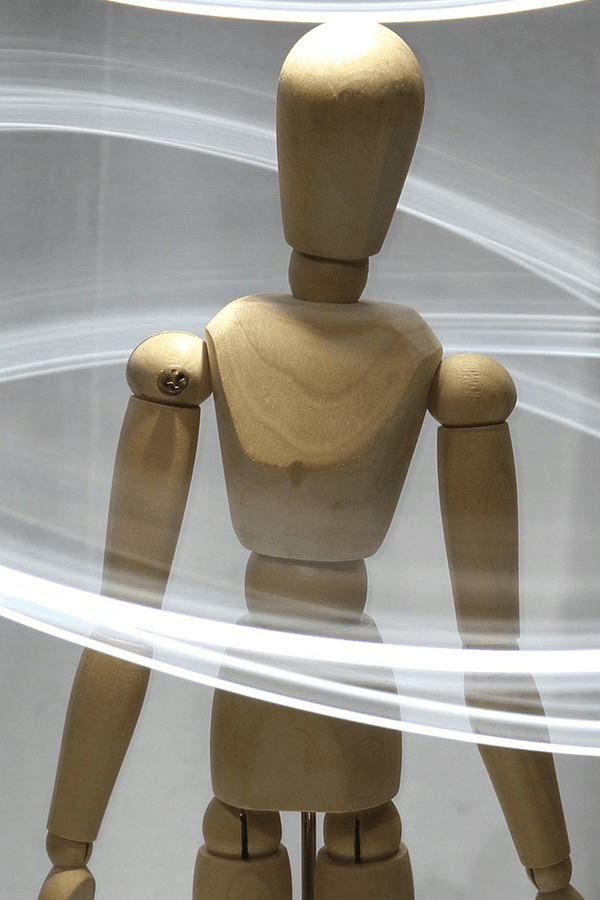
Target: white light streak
307,11
194,648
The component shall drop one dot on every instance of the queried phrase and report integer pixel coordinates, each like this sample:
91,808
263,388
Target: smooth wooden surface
167,350
470,389
524,780
105,703
283,592
152,475
349,109
265,756
364,836
68,884
478,496
551,878
566,893
240,834
153,469
320,280
319,407
479,512
264,878
526,786
66,853
242,857
385,879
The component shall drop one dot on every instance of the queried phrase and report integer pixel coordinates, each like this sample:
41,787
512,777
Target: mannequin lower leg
363,857
242,858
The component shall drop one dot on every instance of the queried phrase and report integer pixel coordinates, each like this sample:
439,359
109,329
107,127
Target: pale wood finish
65,853
349,109
264,756
242,858
68,884
567,893
524,780
151,480
264,878
471,389
161,352
479,513
152,475
365,836
389,878
321,280
526,786
551,878
319,407
289,593
105,703
237,834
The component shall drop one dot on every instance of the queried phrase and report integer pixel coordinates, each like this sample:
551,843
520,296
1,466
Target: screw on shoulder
173,380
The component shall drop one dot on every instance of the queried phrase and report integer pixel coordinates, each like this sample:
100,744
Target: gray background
104,240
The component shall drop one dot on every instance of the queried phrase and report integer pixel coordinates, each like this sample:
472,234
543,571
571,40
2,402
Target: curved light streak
193,648
557,261
315,11
86,343
190,647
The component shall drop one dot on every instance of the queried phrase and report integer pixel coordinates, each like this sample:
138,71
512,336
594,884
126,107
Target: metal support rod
309,853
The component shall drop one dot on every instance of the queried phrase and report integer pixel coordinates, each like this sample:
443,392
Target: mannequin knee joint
364,836
240,834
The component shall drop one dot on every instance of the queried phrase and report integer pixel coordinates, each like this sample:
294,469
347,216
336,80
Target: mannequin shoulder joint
470,390
172,368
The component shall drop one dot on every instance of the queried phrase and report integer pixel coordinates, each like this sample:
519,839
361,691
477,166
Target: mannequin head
349,108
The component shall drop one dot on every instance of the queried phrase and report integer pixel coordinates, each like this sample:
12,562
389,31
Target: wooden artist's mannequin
320,397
